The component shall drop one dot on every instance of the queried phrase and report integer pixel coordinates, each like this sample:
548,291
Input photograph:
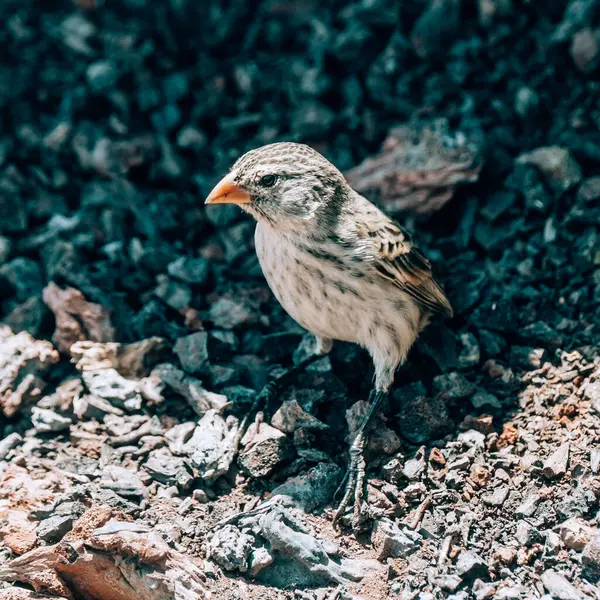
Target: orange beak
227,192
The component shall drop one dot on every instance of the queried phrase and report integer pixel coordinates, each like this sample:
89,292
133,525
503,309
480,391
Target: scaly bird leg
355,475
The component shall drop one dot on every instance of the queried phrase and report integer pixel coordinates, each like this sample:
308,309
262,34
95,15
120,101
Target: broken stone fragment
313,489
130,360
556,464
231,548
558,165
199,399
211,447
76,318
46,421
290,416
114,388
23,360
420,164
264,450
590,559
390,541
170,470
192,351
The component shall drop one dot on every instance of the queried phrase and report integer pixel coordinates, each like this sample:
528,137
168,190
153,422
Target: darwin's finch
337,264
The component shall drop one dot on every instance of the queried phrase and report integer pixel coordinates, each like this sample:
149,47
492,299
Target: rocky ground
136,328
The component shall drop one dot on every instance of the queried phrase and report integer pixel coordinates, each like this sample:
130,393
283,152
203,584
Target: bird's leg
355,475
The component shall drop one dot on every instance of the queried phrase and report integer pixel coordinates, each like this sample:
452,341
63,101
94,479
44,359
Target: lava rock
422,419
390,541
264,451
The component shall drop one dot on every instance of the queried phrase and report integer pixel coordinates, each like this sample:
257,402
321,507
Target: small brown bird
337,264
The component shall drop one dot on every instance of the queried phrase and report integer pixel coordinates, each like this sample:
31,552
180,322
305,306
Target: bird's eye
268,180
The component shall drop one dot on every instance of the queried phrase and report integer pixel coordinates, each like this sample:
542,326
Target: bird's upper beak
227,192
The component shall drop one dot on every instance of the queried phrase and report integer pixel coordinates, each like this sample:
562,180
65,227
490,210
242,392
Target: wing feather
399,260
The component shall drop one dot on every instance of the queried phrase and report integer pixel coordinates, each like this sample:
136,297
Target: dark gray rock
390,541
53,529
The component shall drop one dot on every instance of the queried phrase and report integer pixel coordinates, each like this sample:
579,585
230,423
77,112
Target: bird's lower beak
227,192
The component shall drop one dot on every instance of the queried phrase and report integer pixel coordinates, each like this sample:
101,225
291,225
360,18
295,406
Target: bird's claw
354,491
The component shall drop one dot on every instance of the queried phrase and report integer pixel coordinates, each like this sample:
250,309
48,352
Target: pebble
556,464
46,421
558,587
53,529
496,497
575,534
471,566
557,164
192,351
528,507
12,440
265,451
590,558
390,541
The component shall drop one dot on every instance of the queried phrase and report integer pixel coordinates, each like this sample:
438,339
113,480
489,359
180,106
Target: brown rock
76,318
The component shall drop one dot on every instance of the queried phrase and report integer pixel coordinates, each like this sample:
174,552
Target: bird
339,266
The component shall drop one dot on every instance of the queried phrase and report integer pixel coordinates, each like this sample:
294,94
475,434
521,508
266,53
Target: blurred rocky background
136,327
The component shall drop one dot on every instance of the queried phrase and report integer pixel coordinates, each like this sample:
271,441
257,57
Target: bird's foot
354,492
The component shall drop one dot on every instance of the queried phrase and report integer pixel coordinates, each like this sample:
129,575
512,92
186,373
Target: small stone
312,489
472,439
526,102
264,451
53,529
556,464
8,443
102,75
590,559
527,534
390,541
483,400
5,249
469,355
290,416
575,504
192,351
415,467
553,543
189,270
170,470
560,168
460,464
422,419
575,534
496,497
594,460
229,314
449,582
454,480
559,587
528,506
259,560
584,49
589,190
174,294
454,385
191,138
231,548
200,496
505,554
470,565
45,420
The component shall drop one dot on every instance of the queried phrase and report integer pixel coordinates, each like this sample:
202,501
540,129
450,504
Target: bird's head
289,186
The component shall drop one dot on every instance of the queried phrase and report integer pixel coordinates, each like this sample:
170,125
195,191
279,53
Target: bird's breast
326,292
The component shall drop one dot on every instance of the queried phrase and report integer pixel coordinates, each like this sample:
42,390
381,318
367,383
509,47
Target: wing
399,260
